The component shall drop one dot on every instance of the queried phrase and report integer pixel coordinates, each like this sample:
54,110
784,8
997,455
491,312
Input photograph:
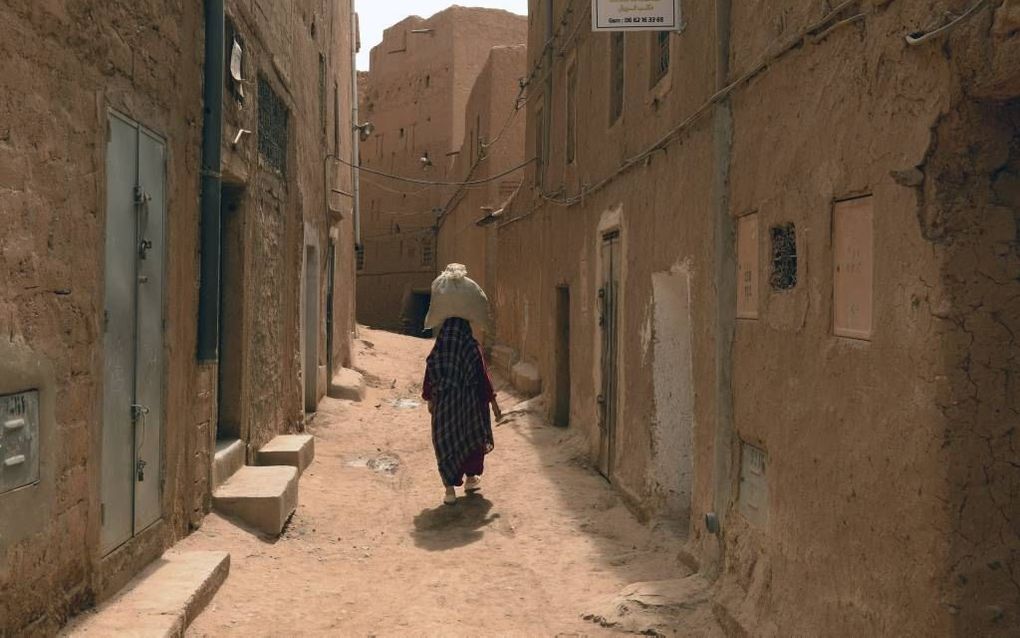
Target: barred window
616,80
359,257
784,257
322,91
571,113
426,251
273,118
660,56
540,143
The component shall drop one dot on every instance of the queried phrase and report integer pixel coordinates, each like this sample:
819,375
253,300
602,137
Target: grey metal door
133,332
608,319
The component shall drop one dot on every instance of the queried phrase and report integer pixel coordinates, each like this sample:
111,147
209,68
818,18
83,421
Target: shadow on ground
451,526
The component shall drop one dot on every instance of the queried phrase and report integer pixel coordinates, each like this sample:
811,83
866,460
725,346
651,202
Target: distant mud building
415,96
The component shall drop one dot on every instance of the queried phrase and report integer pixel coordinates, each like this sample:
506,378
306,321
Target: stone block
228,460
295,450
162,601
261,497
502,360
347,384
526,378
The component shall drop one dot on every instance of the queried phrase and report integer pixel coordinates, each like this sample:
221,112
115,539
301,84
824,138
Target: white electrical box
19,440
753,500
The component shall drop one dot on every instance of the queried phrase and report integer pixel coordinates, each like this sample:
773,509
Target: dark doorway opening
561,411
330,284
232,303
416,307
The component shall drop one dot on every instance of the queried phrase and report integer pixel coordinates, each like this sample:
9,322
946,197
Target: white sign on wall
635,15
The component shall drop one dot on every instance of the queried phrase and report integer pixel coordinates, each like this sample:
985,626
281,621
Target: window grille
660,56
322,92
273,117
359,257
540,144
571,113
336,119
616,80
784,257
426,251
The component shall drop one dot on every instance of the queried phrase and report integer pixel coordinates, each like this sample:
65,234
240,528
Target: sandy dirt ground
372,550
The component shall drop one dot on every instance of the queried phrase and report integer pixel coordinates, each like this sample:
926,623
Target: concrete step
228,460
347,384
526,378
295,450
162,601
261,497
502,360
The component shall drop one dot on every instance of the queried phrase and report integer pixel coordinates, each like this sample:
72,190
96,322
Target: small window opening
273,122
616,80
322,92
359,257
539,145
784,257
426,251
571,113
660,56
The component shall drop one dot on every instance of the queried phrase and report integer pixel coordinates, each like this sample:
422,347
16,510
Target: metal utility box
19,440
753,500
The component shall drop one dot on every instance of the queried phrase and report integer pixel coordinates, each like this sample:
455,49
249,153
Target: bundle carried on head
454,294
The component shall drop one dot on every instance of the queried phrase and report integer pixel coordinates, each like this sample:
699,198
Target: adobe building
415,96
766,266
493,146
110,377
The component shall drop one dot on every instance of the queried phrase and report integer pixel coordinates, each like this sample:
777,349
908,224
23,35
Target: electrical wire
426,182
396,191
919,38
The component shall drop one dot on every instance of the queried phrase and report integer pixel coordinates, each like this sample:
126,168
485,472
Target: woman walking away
459,391
457,384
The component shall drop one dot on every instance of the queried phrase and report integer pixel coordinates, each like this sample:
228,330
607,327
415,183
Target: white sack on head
454,294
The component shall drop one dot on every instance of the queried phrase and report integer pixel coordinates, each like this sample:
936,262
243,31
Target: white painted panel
674,393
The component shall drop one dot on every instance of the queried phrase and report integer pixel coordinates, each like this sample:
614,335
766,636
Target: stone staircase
263,496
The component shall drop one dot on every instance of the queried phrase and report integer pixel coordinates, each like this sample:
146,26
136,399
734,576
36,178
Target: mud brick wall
62,65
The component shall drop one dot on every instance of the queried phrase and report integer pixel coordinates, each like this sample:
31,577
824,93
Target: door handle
138,412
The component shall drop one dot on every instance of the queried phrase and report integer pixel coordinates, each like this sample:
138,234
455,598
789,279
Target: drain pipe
356,138
725,280
212,133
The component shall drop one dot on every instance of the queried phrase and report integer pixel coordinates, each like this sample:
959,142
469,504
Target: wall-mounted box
753,499
747,267
853,268
19,440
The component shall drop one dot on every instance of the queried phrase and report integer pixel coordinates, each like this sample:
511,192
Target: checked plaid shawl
460,416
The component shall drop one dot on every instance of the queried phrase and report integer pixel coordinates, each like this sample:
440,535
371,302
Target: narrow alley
372,550
523,318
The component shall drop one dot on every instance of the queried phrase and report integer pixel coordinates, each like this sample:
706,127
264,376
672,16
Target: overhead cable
918,38
427,182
